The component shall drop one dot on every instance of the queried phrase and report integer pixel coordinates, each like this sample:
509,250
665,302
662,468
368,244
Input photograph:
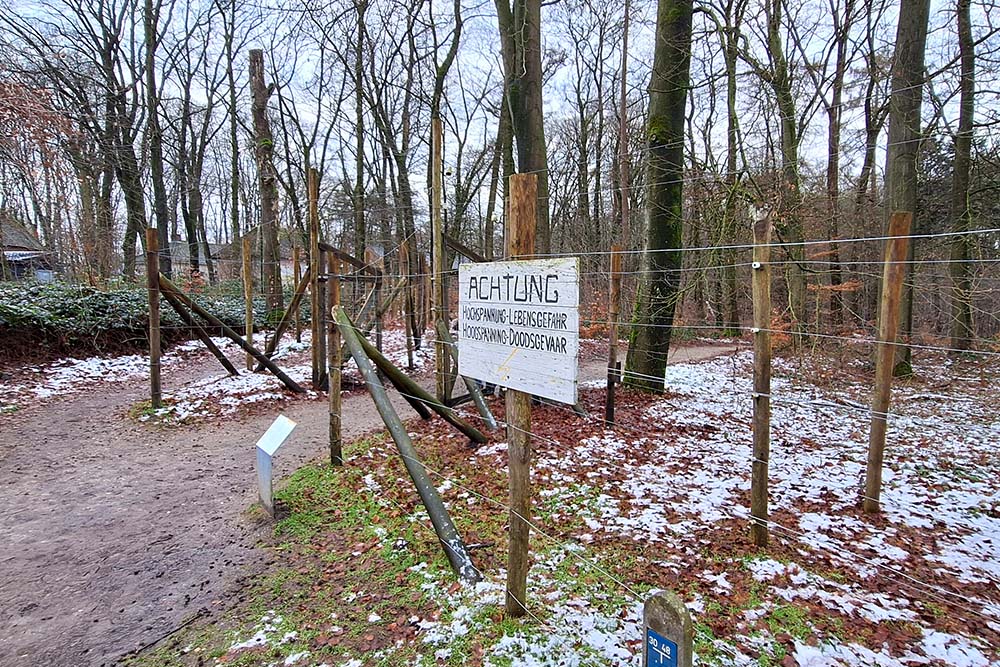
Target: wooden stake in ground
439,308
614,301
312,185
521,219
248,296
153,288
336,362
761,378
297,273
892,288
404,272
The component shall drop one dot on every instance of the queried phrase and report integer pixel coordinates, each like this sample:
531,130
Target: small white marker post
668,633
268,444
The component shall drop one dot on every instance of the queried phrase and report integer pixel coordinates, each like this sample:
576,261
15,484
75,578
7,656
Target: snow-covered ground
918,585
37,384
214,395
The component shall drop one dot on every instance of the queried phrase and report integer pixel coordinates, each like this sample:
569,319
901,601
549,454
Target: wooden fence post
248,297
761,287
153,289
408,316
439,307
336,361
521,220
315,304
614,297
893,274
297,271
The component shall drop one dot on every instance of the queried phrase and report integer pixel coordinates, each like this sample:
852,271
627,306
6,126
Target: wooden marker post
297,272
336,361
521,219
892,288
153,289
439,307
669,633
248,297
761,281
614,296
312,185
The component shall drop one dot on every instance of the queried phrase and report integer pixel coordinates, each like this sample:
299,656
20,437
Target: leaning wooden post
248,296
761,287
437,258
454,548
153,289
167,286
521,218
614,298
297,271
336,361
892,288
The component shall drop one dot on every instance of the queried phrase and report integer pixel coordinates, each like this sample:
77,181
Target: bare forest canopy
121,114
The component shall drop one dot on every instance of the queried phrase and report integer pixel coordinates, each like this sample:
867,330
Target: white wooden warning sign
519,325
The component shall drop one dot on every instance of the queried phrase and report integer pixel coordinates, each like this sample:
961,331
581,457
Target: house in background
22,256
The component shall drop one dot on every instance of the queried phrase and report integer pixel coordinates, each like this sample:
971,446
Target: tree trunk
150,20
834,112
789,224
656,299
268,180
961,213
904,145
521,46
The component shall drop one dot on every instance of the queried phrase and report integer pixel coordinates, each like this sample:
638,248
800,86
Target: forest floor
356,575
121,525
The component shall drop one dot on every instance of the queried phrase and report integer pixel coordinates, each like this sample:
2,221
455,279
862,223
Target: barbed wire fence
703,274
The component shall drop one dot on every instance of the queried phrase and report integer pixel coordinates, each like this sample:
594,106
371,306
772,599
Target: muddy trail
114,533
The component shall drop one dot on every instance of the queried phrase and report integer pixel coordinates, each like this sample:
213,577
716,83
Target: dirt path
113,533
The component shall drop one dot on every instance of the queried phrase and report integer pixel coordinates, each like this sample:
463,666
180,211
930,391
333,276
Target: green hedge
75,319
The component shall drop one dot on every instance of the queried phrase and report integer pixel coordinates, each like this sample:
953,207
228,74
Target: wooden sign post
892,289
669,634
521,220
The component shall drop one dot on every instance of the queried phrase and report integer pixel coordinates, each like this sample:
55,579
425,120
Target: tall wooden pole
439,307
761,287
153,289
614,303
297,271
521,219
248,296
336,361
893,275
408,319
312,185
